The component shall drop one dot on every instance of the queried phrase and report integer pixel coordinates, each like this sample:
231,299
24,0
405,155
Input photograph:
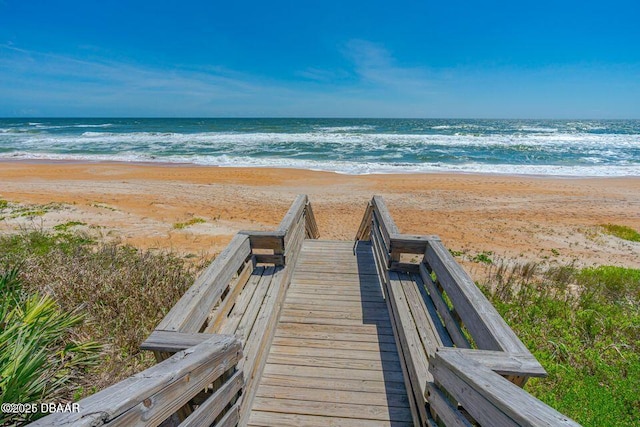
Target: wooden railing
162,391
284,243
204,377
460,359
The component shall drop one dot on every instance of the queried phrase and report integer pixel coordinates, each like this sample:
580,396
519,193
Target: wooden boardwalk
282,329
333,360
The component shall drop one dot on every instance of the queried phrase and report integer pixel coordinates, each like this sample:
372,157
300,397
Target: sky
412,59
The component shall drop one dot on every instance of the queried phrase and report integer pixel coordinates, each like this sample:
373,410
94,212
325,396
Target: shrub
39,353
123,293
622,232
583,326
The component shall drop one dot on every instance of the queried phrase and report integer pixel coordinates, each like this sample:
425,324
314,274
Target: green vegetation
67,225
3,204
483,257
39,353
121,292
622,232
584,327
457,253
192,221
30,211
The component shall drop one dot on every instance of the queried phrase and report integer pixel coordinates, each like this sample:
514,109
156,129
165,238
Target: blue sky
473,59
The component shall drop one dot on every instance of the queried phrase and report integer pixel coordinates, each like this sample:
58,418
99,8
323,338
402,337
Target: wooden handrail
487,396
485,325
435,305
191,311
298,222
364,229
207,304
157,393
310,222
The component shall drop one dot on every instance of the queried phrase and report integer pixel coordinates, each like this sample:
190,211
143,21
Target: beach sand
513,217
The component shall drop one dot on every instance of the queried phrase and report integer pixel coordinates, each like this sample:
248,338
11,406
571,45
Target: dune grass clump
622,232
192,221
122,292
583,326
40,354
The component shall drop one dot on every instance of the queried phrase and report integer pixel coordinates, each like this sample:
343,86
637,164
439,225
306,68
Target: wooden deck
333,360
285,330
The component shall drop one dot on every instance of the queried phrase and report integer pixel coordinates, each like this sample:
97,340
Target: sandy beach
513,217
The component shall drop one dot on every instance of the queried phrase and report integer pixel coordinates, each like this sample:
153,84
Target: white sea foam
104,125
521,147
537,129
368,141
345,167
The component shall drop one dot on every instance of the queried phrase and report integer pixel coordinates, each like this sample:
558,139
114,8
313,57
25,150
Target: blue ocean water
353,146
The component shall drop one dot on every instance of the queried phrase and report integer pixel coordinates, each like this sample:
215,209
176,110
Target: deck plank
333,360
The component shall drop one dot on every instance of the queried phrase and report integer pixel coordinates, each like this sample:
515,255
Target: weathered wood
335,315
347,343
154,394
206,413
381,208
221,313
378,227
172,342
293,215
335,372
230,324
259,341
365,225
517,364
332,409
490,398
403,267
250,314
453,327
265,239
332,395
380,249
488,329
434,318
410,244
294,237
341,350
351,305
445,410
269,259
335,353
413,351
279,419
355,386
192,310
318,340
325,330
231,418
310,223
423,322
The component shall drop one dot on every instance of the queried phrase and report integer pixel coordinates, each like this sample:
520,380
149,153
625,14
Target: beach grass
582,325
122,293
192,221
622,232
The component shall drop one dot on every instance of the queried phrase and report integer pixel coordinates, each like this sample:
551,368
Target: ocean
350,146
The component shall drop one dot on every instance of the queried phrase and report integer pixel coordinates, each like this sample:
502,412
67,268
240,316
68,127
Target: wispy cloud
376,66
324,75
54,79
39,83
